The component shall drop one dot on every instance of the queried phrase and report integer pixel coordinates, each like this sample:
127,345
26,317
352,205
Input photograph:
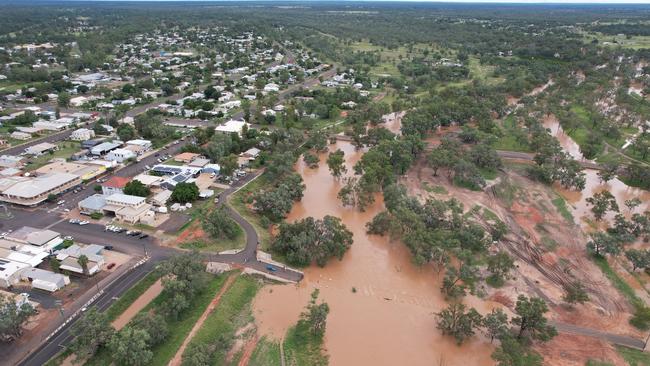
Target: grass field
232,313
560,205
301,347
634,357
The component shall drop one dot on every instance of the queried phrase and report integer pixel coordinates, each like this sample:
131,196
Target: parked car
271,268
108,247
142,236
110,266
84,222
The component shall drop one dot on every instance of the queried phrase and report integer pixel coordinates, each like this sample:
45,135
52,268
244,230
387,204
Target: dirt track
178,358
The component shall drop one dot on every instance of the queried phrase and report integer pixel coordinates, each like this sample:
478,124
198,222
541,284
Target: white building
78,101
232,126
120,155
82,134
144,145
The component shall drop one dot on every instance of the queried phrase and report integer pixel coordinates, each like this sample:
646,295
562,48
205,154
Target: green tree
130,347
496,324
309,240
601,203
603,243
638,258
125,132
499,265
13,317
136,188
155,326
530,319
311,160
185,192
91,331
219,225
228,165
64,99
336,163
198,354
455,321
575,293
315,315
83,262
512,353
183,277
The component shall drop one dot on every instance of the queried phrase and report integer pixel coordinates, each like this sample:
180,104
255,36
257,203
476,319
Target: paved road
248,256
515,155
609,337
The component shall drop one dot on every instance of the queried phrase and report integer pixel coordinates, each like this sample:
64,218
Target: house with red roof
115,185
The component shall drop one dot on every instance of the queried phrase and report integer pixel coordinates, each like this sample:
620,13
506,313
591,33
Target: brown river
382,306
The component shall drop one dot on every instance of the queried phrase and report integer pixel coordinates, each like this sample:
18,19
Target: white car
83,222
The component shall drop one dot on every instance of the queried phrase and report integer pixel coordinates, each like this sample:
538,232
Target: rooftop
40,185
116,182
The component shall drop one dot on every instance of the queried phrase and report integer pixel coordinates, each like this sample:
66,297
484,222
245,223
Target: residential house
82,134
114,185
120,155
40,149
69,258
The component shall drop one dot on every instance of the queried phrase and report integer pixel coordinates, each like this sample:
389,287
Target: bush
96,215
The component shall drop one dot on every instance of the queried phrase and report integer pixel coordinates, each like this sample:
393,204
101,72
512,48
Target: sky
461,1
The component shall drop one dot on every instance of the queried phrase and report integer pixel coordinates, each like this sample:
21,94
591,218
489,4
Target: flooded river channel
617,188
382,306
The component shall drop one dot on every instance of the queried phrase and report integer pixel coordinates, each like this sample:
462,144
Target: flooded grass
232,313
563,209
301,347
267,353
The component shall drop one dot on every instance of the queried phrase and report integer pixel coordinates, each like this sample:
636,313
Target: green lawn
232,313
634,357
66,149
508,141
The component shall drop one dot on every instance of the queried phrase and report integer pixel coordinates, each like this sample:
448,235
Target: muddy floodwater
551,122
617,188
382,306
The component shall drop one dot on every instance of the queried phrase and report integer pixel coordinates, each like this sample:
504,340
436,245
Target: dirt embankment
549,253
